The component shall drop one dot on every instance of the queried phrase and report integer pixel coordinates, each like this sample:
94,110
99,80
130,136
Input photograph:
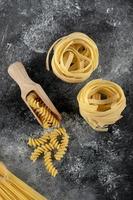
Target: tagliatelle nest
75,57
101,103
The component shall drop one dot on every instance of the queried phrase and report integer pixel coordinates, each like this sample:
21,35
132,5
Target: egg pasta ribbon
101,103
75,57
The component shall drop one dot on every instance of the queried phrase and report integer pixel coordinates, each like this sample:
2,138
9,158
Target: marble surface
97,166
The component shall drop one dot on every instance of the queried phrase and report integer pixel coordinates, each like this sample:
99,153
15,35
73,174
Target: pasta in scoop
101,103
75,57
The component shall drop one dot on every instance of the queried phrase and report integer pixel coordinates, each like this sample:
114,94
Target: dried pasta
56,138
101,103
55,143
63,148
45,115
37,152
75,57
34,142
12,188
61,131
49,165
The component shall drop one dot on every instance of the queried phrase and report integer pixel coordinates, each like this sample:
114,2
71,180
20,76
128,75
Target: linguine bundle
12,188
75,57
101,103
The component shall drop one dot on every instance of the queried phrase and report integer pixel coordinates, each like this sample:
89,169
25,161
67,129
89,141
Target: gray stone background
98,166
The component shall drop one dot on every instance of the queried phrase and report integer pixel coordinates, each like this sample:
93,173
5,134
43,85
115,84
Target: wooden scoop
19,74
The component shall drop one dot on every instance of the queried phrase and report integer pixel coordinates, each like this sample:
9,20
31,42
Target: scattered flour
17,51
24,12
106,174
40,34
76,167
14,149
2,3
84,194
114,14
45,27
109,10
116,132
68,6
120,65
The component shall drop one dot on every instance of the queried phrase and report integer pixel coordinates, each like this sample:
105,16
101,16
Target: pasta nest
75,57
101,103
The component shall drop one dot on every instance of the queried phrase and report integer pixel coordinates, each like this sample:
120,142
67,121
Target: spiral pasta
75,57
61,131
37,152
34,142
56,137
101,103
41,149
54,142
45,115
49,165
63,147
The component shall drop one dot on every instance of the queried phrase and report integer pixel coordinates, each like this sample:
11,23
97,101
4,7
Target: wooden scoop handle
18,73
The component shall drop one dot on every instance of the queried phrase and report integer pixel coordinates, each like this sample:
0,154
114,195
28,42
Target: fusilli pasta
63,147
37,152
36,142
49,165
53,145
45,115
39,141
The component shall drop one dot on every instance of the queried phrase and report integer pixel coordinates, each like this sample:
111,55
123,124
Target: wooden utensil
19,74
